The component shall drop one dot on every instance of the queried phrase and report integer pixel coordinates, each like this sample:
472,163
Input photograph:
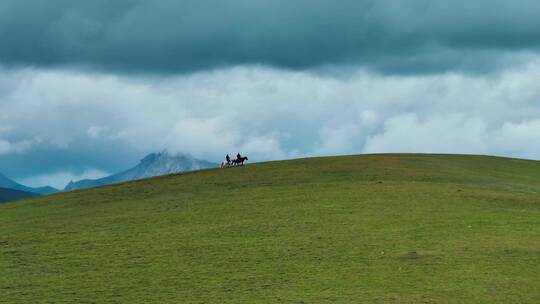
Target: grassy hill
358,229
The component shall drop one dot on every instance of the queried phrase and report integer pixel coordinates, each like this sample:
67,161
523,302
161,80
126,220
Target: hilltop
395,228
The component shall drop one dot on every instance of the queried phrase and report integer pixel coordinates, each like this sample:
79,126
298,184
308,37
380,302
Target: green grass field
360,229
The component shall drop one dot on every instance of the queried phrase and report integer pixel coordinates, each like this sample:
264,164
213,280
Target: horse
239,161
225,164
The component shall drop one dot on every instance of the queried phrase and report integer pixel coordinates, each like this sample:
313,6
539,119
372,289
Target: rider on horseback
239,161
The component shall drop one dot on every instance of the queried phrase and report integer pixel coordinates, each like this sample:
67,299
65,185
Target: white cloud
96,131
456,134
265,147
436,134
273,114
521,139
7,147
60,179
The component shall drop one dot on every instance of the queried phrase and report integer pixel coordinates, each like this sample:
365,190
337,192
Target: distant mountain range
154,164
8,195
10,184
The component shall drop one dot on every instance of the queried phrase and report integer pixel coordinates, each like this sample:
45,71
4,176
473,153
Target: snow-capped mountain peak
154,164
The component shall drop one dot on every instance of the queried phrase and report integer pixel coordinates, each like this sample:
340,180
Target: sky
88,88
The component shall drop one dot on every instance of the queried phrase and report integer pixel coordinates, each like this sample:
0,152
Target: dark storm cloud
411,36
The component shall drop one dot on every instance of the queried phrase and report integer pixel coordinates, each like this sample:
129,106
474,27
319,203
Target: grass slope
360,229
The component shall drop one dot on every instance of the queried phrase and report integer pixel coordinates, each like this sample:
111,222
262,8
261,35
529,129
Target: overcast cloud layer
55,122
166,36
87,88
